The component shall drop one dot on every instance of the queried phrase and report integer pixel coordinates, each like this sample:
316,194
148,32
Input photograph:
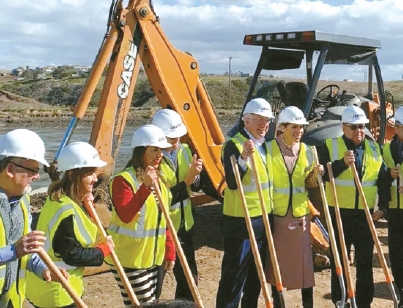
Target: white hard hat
259,106
170,122
354,115
23,143
399,116
150,135
292,114
79,155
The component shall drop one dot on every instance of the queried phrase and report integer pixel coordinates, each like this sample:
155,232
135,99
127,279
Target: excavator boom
135,37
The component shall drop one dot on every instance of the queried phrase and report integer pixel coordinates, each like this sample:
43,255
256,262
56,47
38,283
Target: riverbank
57,117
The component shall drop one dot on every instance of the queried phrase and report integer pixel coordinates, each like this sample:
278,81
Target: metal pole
229,79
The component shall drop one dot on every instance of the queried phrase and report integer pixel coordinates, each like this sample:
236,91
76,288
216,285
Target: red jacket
127,205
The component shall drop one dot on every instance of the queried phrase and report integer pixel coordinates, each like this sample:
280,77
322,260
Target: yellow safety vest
390,163
144,237
16,293
292,185
232,205
345,185
169,176
45,294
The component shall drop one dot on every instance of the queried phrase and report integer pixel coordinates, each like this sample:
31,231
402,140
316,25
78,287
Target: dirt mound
10,100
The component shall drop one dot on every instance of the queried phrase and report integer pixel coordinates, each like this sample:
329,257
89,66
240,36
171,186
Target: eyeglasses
30,171
261,120
356,126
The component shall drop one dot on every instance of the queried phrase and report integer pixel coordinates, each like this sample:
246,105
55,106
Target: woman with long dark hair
143,243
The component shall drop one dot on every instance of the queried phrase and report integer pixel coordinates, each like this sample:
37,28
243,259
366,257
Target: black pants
182,287
395,242
306,294
356,232
239,276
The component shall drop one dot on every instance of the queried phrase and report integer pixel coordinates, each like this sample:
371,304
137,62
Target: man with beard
21,153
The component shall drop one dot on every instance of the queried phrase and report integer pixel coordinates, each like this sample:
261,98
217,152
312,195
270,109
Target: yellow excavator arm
135,37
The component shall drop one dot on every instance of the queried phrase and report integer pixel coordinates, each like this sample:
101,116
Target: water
53,137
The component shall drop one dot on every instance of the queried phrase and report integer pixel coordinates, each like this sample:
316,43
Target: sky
61,32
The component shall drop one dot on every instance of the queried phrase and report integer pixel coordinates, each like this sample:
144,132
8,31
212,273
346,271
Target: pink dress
292,239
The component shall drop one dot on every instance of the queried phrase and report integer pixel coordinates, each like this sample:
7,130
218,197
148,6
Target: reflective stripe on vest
148,249
16,292
352,183
294,190
40,292
55,220
136,233
283,189
396,198
345,185
232,202
172,174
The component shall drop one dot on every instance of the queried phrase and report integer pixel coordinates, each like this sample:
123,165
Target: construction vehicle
323,108
134,37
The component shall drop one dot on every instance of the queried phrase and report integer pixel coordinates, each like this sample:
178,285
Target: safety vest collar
88,239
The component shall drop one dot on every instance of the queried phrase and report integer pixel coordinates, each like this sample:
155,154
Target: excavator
134,37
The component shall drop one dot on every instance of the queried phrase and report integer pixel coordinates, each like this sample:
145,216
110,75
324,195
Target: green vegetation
66,91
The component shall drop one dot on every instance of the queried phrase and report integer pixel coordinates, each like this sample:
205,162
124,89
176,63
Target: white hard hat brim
43,162
39,160
94,164
366,121
266,114
163,145
177,133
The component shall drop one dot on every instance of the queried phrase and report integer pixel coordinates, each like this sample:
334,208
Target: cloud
70,31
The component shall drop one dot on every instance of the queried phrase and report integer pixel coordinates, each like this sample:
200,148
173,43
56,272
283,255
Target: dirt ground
101,289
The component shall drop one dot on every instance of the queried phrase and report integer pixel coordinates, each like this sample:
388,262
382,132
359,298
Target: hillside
59,92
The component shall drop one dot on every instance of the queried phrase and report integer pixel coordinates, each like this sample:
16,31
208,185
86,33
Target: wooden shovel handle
89,206
179,250
63,281
253,244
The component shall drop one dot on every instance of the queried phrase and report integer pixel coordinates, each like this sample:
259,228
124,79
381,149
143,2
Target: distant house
82,69
17,71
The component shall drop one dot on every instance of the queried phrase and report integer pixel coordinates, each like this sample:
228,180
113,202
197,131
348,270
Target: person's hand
49,276
88,198
319,170
169,265
194,170
394,172
248,149
149,176
377,215
29,243
349,158
109,242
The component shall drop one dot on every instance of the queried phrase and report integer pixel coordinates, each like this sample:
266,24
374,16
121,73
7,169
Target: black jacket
338,166
236,226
